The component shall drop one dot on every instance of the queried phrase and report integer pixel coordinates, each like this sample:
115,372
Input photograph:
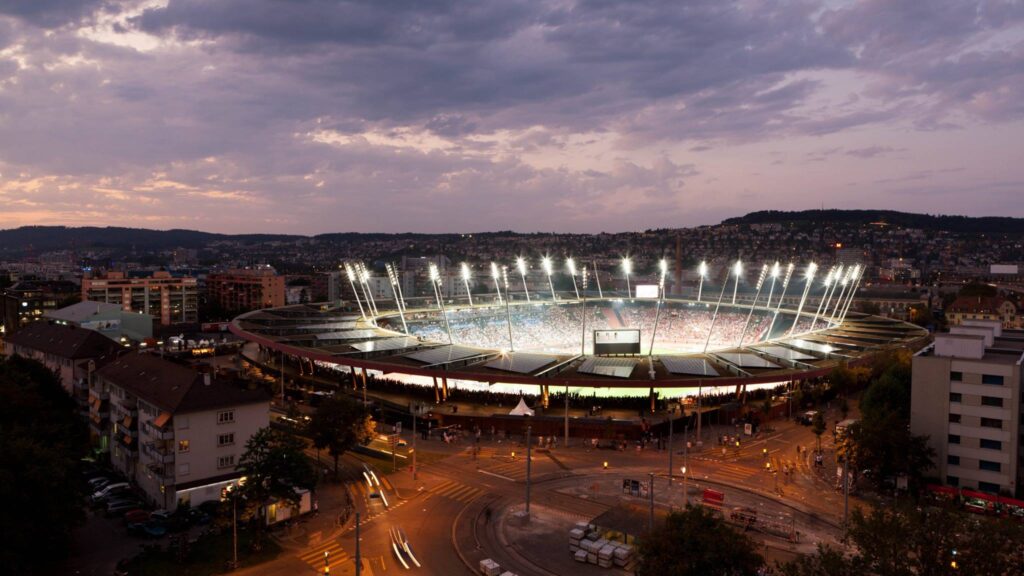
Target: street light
465,280
521,265
703,271
545,263
571,265
627,269
496,275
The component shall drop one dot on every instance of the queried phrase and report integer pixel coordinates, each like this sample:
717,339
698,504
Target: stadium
727,336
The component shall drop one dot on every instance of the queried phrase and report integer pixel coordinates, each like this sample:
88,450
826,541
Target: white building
177,433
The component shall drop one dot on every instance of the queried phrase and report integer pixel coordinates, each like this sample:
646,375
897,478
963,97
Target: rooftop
63,341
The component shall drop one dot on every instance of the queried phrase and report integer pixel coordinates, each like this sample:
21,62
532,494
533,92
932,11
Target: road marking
315,556
482,471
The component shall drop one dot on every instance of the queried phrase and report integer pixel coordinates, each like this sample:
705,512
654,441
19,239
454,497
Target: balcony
164,474
161,452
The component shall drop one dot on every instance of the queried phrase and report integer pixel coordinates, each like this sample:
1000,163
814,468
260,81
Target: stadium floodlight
545,263
757,294
847,280
435,280
571,265
465,280
737,271
496,275
778,307
597,278
583,314
703,271
663,268
714,317
355,292
521,265
812,268
364,276
627,269
508,312
858,274
823,305
393,278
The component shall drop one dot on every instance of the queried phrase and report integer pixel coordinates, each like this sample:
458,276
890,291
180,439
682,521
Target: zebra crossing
511,469
328,553
456,491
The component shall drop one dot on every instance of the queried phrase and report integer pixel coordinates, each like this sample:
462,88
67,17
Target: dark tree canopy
42,441
339,424
696,542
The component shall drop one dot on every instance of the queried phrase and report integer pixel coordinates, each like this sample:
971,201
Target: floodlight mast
355,292
583,315
737,271
496,275
782,296
828,282
849,302
521,265
365,277
811,269
714,317
597,278
571,265
835,284
842,295
757,294
393,277
508,312
663,267
703,271
843,298
627,269
465,280
546,265
398,285
435,279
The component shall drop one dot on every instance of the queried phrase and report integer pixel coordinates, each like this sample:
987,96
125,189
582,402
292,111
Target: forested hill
958,224
63,237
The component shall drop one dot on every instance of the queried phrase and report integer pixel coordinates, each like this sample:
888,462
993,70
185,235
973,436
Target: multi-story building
111,320
995,308
72,353
246,289
178,433
966,397
28,300
171,299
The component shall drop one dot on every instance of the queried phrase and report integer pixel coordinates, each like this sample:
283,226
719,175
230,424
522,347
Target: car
121,507
807,418
149,528
97,484
136,516
115,494
160,515
106,491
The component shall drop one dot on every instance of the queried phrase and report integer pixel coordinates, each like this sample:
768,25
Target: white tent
521,409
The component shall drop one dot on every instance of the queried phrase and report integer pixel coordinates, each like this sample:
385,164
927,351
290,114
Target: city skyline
574,117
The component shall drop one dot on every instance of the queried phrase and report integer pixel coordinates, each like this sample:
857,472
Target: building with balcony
246,289
966,397
175,432
29,300
172,299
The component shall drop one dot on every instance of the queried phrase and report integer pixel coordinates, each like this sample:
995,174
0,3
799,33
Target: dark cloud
51,13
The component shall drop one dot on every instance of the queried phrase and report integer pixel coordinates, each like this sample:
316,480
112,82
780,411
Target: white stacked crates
489,567
586,545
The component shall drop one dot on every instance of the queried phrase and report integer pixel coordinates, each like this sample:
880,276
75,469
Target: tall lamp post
521,265
546,265
737,272
508,311
830,280
782,296
435,279
812,268
737,269
393,278
571,265
496,275
465,281
703,271
627,269
597,278
352,280
663,267
757,294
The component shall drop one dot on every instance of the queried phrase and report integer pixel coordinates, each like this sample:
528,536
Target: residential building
111,320
966,398
984,308
28,300
72,353
246,289
177,433
172,299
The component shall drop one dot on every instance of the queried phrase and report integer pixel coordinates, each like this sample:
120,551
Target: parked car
136,516
120,507
160,515
807,418
99,482
106,491
149,528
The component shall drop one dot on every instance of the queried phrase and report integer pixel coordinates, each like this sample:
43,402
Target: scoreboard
616,342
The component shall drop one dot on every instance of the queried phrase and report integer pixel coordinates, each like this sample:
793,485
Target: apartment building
28,300
171,299
177,433
984,308
246,289
966,397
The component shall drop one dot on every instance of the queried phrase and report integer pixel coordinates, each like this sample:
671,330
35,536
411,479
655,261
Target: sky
311,116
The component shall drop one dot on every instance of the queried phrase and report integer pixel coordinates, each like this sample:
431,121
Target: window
956,376
991,444
182,469
226,417
225,439
988,487
226,461
955,397
954,418
991,401
992,379
952,480
953,460
954,439
992,423
989,465
182,445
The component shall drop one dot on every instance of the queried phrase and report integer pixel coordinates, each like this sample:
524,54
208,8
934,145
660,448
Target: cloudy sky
310,116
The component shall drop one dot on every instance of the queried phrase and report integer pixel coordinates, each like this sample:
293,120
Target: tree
274,465
339,424
818,427
42,441
696,542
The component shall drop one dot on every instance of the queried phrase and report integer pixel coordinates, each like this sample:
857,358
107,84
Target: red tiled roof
977,304
63,341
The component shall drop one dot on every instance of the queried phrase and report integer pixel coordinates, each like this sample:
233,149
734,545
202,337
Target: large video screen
616,342
649,291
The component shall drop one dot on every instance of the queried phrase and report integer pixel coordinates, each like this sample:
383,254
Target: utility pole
650,492
566,442
529,445
234,531
415,409
846,492
359,560
671,417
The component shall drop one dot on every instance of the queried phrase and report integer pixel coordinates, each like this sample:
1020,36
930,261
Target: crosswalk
456,491
507,467
314,557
